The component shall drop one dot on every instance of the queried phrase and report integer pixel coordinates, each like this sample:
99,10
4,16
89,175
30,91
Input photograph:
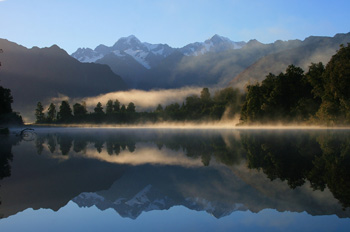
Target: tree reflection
80,144
99,145
131,146
39,144
333,167
109,147
321,158
51,143
228,151
6,156
65,143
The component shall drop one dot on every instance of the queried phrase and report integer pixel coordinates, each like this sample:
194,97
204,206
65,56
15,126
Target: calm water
78,179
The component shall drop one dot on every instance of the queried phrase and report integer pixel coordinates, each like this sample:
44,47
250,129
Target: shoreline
191,126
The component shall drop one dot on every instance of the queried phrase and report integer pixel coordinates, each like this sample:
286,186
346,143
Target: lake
144,179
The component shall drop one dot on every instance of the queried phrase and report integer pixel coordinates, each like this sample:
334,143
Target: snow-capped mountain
216,43
87,55
216,62
150,55
146,54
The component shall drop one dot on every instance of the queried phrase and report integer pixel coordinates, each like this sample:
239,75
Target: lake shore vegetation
320,96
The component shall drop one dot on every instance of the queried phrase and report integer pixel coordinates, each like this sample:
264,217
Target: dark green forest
319,96
197,108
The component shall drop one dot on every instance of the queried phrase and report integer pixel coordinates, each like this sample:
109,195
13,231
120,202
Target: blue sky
87,23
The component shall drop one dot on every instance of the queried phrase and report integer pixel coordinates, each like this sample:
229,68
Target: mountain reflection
218,171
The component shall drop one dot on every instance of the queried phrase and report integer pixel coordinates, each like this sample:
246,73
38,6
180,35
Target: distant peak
219,39
253,42
127,42
55,46
129,38
216,36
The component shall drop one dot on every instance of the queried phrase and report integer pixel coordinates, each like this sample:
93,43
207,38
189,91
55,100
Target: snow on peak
140,51
86,55
149,55
216,43
139,56
150,47
140,198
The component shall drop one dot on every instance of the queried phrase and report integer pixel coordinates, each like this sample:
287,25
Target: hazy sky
87,23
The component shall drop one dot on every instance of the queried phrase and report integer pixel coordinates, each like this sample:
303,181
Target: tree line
319,96
194,108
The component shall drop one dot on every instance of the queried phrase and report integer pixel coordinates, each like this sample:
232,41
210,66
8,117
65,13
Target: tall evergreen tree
109,107
39,113
159,108
79,109
65,113
51,113
116,106
131,108
99,109
205,94
123,108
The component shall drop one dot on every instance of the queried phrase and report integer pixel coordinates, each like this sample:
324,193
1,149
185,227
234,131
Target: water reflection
6,155
146,146
218,171
323,159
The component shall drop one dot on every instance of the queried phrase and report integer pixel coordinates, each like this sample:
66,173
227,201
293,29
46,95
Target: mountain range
217,61
40,74
145,65
313,49
150,55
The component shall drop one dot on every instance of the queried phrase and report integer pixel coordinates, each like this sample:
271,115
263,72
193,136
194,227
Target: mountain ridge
215,62
39,74
140,51
314,49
